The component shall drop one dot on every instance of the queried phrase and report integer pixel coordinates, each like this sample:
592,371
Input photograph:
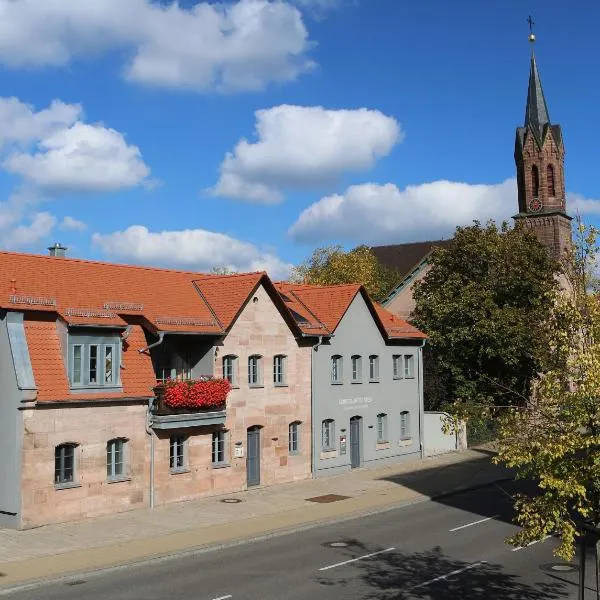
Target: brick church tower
539,156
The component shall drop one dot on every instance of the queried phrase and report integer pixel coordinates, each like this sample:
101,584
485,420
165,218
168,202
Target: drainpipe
151,434
313,453
161,337
421,401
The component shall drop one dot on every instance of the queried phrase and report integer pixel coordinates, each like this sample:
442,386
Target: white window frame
255,375
111,459
294,437
178,452
373,368
328,435
337,369
409,366
219,448
405,431
397,366
101,344
382,428
230,363
356,363
280,370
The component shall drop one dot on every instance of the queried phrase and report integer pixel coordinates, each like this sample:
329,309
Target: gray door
253,458
355,442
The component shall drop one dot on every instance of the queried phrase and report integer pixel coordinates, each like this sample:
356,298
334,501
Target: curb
203,549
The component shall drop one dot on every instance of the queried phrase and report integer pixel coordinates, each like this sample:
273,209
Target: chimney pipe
57,249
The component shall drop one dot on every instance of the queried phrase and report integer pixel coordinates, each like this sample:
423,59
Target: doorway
355,435
253,458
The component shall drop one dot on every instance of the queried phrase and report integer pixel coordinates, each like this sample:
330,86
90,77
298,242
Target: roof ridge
227,275
123,265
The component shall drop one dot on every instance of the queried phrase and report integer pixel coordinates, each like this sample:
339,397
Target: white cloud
304,147
374,213
71,224
81,158
211,45
40,226
576,203
195,249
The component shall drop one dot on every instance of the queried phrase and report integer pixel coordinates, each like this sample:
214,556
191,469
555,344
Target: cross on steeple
531,23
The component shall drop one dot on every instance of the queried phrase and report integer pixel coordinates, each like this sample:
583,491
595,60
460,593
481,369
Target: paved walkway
134,536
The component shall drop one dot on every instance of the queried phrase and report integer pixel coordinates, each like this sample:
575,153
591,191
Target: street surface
449,549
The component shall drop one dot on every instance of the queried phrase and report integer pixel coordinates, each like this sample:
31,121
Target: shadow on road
401,575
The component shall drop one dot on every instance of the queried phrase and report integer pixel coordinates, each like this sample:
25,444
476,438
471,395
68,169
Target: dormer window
94,361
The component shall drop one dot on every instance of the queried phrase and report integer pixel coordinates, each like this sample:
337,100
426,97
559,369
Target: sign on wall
352,403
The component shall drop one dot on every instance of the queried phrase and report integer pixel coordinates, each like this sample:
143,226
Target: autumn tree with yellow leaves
554,438
331,265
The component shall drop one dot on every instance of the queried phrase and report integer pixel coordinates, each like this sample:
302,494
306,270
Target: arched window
294,437
550,186
255,371
373,367
356,369
116,459
405,432
279,369
381,428
336,369
64,465
535,181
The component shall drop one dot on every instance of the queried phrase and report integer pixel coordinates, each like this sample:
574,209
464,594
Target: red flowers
200,393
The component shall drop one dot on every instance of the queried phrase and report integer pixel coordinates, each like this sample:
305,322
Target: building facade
93,355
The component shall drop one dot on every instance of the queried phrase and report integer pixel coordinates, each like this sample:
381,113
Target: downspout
421,402
313,453
161,337
151,434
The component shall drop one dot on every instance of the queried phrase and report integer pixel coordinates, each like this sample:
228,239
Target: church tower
539,156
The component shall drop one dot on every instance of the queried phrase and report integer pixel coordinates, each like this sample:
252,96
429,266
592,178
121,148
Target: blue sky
247,133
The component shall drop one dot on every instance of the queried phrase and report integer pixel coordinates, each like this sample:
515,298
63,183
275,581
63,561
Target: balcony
195,403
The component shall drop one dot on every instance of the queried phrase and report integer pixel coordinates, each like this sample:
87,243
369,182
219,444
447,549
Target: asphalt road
450,549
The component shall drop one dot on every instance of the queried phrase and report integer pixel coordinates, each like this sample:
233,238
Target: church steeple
539,157
536,112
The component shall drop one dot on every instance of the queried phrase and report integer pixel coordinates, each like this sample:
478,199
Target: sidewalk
56,550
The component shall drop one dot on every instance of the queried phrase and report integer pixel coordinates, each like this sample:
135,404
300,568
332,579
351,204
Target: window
255,371
550,181
177,458
409,366
230,369
116,459
174,366
328,434
382,428
535,181
218,447
294,441
373,367
405,433
336,369
279,374
397,366
356,369
77,371
94,361
64,464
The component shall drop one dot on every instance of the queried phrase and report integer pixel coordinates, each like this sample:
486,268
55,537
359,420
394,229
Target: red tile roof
328,304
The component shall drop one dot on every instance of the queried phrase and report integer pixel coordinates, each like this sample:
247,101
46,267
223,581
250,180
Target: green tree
485,304
331,265
222,271
555,437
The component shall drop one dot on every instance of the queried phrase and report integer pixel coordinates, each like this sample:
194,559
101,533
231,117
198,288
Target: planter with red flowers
205,394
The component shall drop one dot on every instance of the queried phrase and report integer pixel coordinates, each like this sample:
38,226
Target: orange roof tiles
397,327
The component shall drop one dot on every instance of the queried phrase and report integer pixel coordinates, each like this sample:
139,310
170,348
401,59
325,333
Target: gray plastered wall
358,334
11,432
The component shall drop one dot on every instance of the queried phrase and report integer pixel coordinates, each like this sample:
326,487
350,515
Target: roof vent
57,249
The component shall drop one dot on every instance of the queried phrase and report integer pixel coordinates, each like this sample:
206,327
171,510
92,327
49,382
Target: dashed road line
531,544
346,562
475,523
441,577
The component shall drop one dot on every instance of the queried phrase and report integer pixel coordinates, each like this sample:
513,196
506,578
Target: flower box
205,394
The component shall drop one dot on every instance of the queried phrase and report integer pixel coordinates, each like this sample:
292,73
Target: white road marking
223,597
531,544
477,564
475,523
355,559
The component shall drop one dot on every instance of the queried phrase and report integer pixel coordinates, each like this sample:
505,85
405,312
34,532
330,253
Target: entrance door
355,423
253,458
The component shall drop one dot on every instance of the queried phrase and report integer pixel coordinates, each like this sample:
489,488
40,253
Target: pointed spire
536,113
